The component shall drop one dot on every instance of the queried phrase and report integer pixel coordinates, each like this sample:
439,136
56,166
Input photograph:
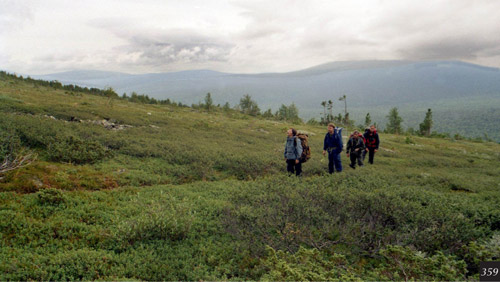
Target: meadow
187,194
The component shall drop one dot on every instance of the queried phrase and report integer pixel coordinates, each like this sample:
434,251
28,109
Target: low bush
286,213
401,263
157,222
40,175
70,265
10,145
306,265
51,196
74,150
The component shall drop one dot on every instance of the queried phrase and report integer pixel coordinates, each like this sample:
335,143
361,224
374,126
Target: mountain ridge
324,67
370,86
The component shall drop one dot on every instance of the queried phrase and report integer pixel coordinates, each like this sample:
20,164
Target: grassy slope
172,203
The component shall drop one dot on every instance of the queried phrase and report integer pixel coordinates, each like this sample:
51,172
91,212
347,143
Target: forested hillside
112,189
464,97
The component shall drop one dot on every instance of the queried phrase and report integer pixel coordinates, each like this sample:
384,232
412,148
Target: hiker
355,147
333,145
372,142
293,151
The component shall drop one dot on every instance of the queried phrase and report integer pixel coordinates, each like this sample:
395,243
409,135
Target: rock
388,150
37,182
263,130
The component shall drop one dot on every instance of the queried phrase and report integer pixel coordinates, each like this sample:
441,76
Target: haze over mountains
465,98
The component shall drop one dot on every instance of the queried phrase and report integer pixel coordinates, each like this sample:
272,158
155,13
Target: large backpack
304,142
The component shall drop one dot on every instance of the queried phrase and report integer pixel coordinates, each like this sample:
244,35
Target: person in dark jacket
333,145
293,151
371,141
355,147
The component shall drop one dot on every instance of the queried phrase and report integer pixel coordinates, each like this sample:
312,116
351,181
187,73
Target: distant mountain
370,86
364,82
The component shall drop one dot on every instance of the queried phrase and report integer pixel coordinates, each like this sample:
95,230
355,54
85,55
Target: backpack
306,151
362,136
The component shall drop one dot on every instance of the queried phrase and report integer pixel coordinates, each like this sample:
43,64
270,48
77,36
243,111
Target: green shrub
168,221
71,265
75,150
401,263
484,250
286,213
50,196
10,144
306,265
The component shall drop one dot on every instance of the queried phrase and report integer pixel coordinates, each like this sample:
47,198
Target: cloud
465,48
14,15
159,47
460,29
243,36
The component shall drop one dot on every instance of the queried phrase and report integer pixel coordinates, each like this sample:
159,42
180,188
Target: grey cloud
253,32
450,48
158,47
168,48
460,29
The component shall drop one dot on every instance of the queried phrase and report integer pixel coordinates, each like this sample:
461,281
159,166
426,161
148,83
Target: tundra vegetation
116,189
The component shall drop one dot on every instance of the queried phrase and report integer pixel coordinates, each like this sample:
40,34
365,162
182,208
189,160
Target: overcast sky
46,36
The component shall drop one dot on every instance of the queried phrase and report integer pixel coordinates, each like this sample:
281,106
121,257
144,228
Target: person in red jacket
372,142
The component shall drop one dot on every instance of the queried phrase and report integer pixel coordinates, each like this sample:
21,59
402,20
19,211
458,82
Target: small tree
226,107
208,102
347,121
249,106
426,125
368,120
282,112
268,114
344,98
330,111
313,121
293,113
288,113
394,124
338,119
110,93
324,119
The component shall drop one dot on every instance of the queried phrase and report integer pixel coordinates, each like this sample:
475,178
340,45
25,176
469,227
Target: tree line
248,106
106,92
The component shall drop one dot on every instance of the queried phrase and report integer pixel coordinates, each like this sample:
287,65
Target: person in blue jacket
293,151
333,145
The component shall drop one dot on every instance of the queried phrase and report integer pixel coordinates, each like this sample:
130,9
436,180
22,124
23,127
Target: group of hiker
358,146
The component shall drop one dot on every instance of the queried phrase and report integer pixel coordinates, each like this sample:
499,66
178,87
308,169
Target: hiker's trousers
356,156
292,167
334,162
371,155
